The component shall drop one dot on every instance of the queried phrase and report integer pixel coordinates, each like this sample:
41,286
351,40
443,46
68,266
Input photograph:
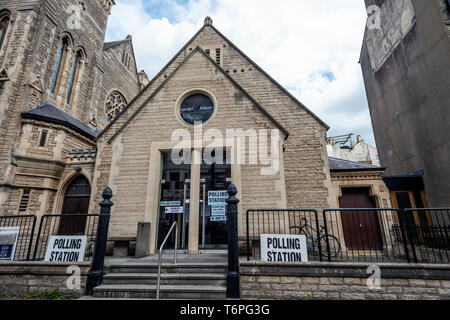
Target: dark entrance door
361,228
76,201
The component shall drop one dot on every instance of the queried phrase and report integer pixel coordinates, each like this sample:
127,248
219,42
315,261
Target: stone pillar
194,205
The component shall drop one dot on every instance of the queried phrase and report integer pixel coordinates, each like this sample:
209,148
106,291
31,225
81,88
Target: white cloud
296,41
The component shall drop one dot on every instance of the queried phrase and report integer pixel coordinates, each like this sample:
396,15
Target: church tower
56,75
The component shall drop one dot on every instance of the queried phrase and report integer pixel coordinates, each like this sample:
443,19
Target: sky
310,47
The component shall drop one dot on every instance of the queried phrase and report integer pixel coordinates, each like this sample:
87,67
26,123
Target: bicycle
313,244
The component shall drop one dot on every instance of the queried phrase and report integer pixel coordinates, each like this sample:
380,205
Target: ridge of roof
47,112
197,49
337,164
109,45
276,83
151,82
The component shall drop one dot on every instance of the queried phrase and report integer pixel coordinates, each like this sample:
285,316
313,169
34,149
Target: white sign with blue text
283,248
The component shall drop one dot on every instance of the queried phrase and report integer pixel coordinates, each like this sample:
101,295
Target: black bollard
95,276
233,255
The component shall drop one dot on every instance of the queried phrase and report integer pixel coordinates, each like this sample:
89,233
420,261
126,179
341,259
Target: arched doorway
361,227
76,201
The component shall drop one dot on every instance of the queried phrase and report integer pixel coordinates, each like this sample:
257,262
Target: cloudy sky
311,47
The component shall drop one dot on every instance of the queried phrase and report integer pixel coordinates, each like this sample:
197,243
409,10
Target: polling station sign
283,248
8,241
66,249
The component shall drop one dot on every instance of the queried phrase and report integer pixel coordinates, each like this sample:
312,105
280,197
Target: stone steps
208,279
141,291
185,280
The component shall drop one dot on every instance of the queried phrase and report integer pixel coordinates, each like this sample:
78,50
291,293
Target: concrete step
167,268
208,279
183,292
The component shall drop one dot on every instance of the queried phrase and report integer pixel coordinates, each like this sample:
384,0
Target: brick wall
18,279
343,281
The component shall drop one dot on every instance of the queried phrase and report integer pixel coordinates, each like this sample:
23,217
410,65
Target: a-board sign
283,248
8,242
174,210
66,249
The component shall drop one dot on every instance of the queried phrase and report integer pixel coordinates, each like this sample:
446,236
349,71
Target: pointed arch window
74,75
115,104
4,24
60,63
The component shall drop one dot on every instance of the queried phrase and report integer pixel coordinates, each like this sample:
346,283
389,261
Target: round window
196,108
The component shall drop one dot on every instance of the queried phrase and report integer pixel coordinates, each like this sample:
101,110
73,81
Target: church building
77,117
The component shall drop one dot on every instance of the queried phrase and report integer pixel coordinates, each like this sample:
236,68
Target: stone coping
345,269
41,268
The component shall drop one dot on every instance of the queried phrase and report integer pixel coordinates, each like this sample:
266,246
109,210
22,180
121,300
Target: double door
175,205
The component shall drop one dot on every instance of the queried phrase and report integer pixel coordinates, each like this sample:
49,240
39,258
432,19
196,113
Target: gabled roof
340,165
49,113
108,45
163,70
197,49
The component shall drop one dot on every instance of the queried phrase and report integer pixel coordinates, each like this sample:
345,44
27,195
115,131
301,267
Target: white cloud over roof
310,47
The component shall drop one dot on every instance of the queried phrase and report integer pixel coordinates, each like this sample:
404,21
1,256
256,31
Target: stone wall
19,279
343,281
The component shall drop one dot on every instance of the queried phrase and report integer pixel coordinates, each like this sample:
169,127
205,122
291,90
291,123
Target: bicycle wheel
295,230
335,246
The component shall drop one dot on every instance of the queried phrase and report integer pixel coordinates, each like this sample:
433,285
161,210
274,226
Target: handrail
174,225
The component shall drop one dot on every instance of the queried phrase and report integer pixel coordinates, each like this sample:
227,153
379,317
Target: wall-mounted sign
218,218
218,210
217,198
170,203
174,210
283,248
8,241
66,249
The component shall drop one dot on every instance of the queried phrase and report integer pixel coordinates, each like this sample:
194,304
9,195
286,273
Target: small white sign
170,203
218,211
217,198
66,249
174,210
8,241
218,218
283,248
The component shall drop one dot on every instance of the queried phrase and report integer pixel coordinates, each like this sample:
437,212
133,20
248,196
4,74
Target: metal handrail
174,225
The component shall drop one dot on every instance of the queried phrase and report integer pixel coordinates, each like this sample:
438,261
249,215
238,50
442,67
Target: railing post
233,255
95,276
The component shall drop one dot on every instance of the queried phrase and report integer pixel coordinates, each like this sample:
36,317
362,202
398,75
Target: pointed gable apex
223,72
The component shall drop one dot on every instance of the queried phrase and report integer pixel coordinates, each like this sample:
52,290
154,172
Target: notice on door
283,248
66,249
174,210
170,203
8,241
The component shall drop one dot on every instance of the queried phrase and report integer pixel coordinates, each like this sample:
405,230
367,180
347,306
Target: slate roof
111,44
49,113
339,165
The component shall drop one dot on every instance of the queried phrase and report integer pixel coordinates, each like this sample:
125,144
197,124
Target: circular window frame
189,93
125,102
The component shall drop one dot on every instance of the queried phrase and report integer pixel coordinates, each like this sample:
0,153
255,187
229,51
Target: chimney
143,78
358,139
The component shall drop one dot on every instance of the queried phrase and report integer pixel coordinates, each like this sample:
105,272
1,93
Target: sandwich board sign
283,248
66,249
8,242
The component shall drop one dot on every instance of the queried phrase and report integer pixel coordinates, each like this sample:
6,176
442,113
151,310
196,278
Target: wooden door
361,228
76,201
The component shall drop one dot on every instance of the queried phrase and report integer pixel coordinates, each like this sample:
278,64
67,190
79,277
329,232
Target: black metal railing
24,243
358,235
66,225
289,221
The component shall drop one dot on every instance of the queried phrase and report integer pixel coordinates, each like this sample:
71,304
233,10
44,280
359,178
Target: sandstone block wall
19,279
343,281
